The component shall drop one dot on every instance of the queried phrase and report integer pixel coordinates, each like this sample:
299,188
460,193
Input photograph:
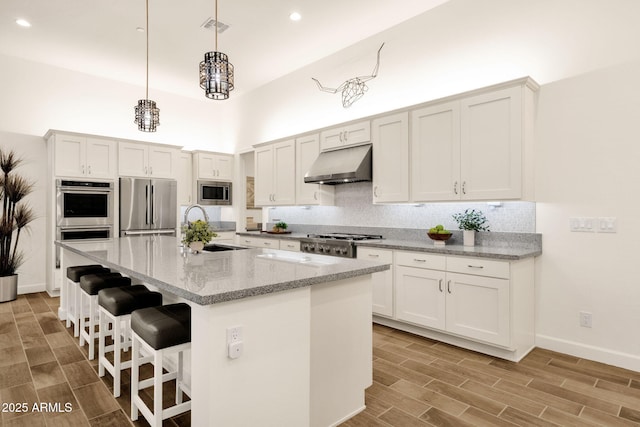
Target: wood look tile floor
416,382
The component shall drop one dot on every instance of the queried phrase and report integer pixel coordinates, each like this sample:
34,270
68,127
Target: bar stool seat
71,292
90,285
116,305
159,331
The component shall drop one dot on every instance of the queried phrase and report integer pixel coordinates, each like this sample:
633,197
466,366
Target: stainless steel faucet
186,213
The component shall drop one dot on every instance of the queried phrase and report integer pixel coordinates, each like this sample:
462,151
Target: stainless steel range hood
351,164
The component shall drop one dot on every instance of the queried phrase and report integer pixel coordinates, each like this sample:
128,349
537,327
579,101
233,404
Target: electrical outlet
234,334
607,225
585,319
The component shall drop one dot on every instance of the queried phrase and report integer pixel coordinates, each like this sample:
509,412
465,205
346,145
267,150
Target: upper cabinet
390,138
214,166
307,150
148,160
343,136
477,147
85,157
185,179
275,174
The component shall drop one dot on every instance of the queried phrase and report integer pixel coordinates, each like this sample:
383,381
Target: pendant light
216,73
147,114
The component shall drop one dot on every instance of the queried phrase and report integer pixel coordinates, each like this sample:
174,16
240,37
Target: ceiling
100,38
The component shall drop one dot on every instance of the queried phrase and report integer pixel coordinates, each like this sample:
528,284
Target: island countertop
213,277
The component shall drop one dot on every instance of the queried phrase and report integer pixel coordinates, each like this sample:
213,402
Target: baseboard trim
585,351
31,289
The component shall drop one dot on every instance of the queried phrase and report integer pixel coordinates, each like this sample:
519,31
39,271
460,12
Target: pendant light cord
216,29
147,24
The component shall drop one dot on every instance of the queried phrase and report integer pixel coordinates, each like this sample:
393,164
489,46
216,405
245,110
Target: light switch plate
582,224
607,225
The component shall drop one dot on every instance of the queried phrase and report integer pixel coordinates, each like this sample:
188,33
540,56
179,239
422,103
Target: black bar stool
116,305
70,290
90,285
159,331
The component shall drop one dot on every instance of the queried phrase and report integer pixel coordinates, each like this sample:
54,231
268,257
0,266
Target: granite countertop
214,277
505,253
496,249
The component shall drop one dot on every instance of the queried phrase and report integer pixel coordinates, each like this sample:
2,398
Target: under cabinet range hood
351,164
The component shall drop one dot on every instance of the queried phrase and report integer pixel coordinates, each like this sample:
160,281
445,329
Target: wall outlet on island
585,319
235,346
234,334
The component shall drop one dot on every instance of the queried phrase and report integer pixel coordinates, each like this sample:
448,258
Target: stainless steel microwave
214,193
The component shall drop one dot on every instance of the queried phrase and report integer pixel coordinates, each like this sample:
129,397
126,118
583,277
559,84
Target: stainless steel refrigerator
148,206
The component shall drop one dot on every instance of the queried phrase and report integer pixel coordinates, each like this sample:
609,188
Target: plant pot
469,237
8,288
196,247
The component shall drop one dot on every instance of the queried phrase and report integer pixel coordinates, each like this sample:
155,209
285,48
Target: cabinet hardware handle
247,241
150,170
419,260
315,195
464,187
440,285
82,169
449,286
375,191
146,170
475,266
374,255
89,169
455,187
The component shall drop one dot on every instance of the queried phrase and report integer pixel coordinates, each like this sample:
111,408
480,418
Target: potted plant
280,227
470,221
16,215
197,234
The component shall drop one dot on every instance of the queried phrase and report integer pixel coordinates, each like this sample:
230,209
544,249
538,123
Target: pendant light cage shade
147,115
216,75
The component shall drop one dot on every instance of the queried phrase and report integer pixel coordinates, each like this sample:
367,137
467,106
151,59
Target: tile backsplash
354,207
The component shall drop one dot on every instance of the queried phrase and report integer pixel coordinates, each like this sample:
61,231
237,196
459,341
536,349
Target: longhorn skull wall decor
352,89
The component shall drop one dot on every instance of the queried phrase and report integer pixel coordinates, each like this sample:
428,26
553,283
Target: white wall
588,147
31,275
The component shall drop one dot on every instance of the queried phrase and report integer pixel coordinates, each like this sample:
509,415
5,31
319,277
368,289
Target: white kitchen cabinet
476,147
382,282
469,297
344,136
259,242
85,157
290,245
390,139
185,179
307,150
224,236
435,152
275,174
214,166
148,160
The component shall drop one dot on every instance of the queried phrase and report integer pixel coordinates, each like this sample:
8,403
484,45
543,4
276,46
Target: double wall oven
84,210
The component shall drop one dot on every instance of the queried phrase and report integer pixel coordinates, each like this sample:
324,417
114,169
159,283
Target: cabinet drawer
372,254
478,267
258,242
421,260
290,245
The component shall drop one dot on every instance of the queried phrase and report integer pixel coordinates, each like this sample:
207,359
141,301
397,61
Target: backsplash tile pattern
354,208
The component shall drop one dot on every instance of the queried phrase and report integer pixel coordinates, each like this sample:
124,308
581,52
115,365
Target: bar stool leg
179,379
117,345
83,319
135,366
157,388
102,337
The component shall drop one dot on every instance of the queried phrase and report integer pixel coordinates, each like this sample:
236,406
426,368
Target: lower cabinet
382,281
482,304
265,242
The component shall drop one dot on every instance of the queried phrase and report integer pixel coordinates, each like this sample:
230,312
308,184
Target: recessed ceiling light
295,16
23,22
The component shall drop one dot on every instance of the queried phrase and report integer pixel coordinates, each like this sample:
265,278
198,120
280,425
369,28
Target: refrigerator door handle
153,205
146,195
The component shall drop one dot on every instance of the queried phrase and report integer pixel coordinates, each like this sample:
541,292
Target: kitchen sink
217,247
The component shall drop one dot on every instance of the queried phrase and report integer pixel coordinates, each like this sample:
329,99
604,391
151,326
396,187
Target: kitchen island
305,320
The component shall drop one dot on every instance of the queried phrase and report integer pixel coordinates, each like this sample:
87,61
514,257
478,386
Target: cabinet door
263,190
185,179
223,167
163,162
133,159
435,153
70,155
206,166
478,308
101,158
390,138
491,145
420,296
284,169
307,150
290,245
356,133
382,282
